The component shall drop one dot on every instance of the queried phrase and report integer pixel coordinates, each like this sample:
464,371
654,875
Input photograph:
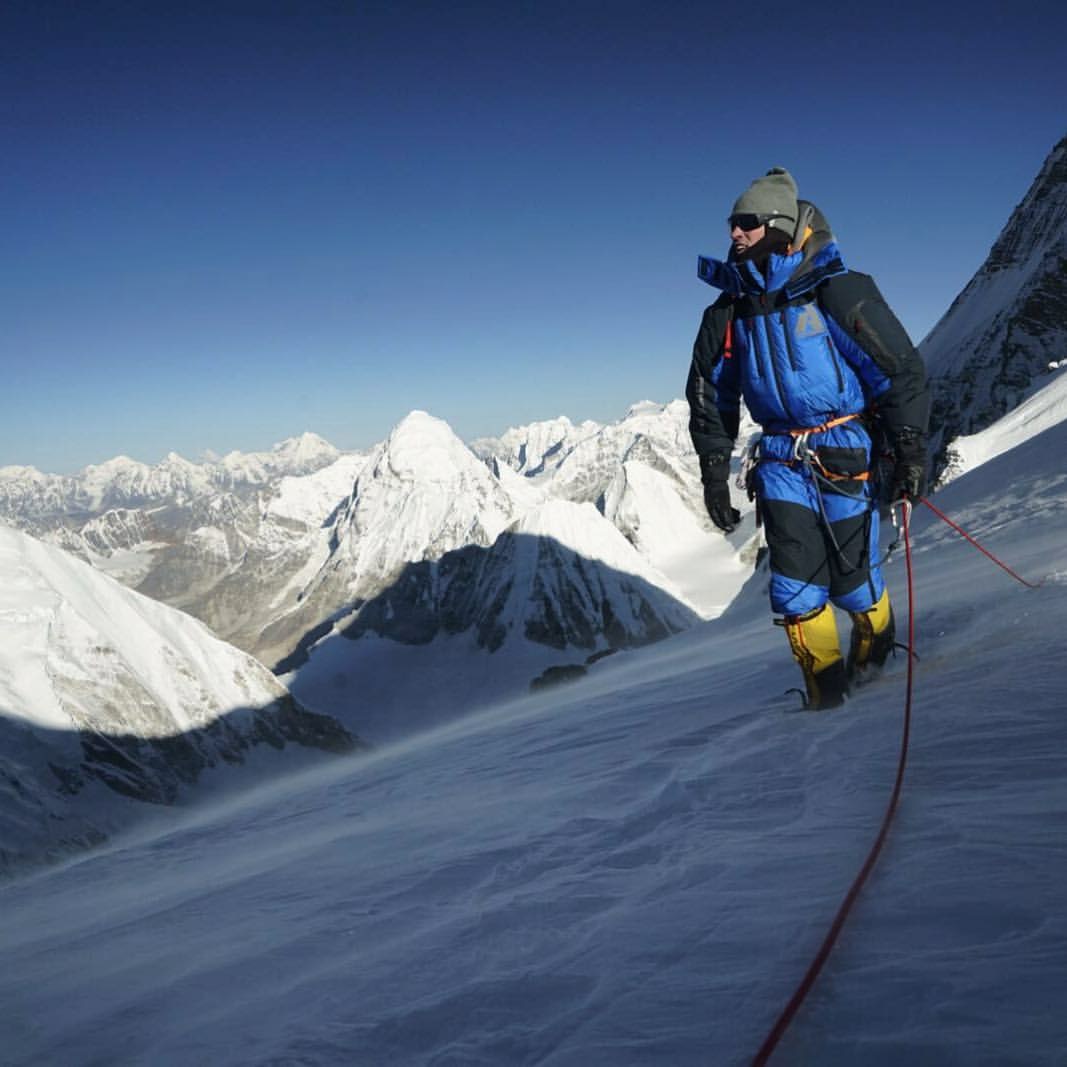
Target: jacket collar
795,273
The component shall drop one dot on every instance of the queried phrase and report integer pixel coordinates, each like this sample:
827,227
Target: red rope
770,1043
964,534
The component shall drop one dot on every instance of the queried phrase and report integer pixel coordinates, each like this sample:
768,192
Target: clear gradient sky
225,224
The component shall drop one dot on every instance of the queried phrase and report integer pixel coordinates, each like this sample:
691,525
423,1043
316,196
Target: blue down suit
813,350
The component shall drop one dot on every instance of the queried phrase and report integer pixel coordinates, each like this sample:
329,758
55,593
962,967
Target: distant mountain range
279,552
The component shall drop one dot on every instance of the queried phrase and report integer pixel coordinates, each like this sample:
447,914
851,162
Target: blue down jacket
805,342
808,342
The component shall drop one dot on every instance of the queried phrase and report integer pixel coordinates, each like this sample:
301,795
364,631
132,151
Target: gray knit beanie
774,194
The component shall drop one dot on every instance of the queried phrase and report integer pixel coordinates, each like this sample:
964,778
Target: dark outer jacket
860,359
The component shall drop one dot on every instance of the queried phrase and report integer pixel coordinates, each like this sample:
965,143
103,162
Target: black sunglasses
748,221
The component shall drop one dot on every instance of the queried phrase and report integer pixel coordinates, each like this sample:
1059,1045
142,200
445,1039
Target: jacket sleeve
872,339
712,388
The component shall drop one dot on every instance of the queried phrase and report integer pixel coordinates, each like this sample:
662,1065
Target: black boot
828,688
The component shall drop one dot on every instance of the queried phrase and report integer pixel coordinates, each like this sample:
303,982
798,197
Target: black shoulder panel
706,427
856,305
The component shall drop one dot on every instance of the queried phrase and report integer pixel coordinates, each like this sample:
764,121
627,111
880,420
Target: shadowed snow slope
456,634
99,684
635,870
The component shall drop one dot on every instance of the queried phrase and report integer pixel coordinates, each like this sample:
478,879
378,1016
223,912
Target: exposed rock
994,345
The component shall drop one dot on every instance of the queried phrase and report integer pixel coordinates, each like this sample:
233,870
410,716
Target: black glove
909,471
715,473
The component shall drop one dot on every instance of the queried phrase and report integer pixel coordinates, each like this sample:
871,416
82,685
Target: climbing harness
805,456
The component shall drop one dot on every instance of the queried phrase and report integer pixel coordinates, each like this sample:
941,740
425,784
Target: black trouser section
801,548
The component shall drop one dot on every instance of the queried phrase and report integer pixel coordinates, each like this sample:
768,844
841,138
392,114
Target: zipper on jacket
790,350
837,366
774,367
753,348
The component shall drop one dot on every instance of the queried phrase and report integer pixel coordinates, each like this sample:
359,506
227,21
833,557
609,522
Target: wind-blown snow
635,870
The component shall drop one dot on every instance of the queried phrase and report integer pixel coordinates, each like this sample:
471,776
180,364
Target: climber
820,360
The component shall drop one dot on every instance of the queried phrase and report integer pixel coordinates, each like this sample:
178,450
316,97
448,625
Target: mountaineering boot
813,640
873,638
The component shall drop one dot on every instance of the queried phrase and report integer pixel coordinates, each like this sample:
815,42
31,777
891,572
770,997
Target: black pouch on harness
844,463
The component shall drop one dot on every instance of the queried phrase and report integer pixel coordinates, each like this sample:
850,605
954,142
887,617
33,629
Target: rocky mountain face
1007,329
534,449
556,591
108,694
562,576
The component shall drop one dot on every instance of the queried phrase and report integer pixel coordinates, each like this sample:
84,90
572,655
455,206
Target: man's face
744,239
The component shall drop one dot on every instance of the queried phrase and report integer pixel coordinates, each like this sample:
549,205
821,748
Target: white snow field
633,870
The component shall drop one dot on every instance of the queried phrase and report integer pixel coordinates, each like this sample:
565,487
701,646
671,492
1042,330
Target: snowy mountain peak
116,467
16,473
643,407
583,529
426,493
534,450
419,494
293,456
424,448
307,448
175,459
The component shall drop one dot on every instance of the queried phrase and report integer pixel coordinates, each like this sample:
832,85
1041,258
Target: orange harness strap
824,426
813,456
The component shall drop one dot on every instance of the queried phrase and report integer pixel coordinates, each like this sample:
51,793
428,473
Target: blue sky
225,224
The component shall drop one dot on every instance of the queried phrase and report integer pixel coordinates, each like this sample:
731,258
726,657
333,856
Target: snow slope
558,587
634,870
1047,407
101,685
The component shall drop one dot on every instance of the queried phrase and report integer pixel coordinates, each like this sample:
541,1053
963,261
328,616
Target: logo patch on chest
809,322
